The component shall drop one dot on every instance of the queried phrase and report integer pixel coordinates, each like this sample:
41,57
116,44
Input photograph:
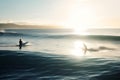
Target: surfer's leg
20,47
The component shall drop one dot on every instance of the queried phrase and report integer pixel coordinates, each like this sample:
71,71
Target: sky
66,13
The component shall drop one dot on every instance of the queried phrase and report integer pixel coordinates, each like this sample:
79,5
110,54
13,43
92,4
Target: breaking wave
62,36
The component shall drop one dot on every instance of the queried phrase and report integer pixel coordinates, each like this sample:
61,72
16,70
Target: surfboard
16,45
24,44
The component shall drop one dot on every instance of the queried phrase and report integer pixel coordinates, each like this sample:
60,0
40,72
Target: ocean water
59,54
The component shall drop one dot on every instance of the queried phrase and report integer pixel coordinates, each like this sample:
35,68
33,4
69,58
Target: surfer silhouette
20,44
85,48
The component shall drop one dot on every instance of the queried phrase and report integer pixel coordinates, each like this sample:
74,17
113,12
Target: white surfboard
25,44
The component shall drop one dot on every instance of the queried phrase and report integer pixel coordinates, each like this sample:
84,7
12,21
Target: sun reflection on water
78,31
78,49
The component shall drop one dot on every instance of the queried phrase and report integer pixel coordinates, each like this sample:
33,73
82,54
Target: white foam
2,30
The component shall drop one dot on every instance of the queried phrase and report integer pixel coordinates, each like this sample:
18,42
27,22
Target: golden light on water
78,31
77,50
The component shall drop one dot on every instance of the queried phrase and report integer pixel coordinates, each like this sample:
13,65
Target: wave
60,36
2,30
39,65
99,37
11,33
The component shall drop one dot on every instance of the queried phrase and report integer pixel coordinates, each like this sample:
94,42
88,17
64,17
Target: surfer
85,48
20,44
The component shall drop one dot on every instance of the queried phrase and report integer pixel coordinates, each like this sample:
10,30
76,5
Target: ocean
60,54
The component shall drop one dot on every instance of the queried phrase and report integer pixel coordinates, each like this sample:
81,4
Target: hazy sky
68,13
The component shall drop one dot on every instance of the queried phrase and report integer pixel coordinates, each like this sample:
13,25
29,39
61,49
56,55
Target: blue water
57,54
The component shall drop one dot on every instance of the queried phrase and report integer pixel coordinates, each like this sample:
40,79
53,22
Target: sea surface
60,54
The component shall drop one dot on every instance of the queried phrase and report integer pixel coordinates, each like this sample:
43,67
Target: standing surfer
20,44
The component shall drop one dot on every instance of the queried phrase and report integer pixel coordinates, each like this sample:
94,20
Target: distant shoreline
22,26
27,26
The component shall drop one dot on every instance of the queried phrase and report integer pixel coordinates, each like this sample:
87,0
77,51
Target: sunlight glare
81,16
78,31
78,49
